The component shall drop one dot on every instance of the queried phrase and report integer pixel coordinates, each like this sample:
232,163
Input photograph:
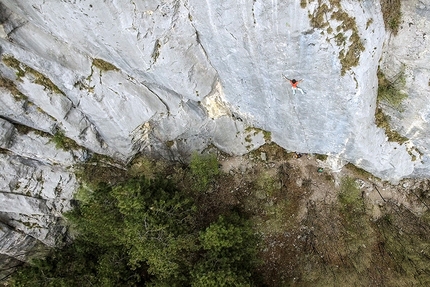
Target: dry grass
11,86
382,121
352,46
330,244
103,65
22,69
391,12
389,91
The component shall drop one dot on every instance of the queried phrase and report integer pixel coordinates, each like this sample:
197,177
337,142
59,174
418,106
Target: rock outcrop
170,77
405,59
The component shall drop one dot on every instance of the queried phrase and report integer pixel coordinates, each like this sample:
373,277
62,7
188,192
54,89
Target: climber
294,86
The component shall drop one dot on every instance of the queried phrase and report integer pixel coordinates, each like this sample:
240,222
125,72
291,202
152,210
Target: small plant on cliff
389,93
13,89
389,90
38,78
382,121
62,142
391,12
103,65
351,46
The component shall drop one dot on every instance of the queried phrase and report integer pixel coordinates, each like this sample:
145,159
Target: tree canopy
146,232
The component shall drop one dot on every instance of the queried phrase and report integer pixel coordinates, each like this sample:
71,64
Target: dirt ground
307,238
325,182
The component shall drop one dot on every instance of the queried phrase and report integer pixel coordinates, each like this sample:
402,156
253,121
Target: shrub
229,253
389,92
204,169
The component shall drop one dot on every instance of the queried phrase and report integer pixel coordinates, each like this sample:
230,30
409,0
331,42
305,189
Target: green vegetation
257,227
204,169
22,70
405,248
321,157
230,253
359,172
350,56
357,232
147,232
389,91
104,66
347,248
62,142
391,12
42,80
23,129
169,144
13,63
142,166
303,3
415,153
351,203
273,152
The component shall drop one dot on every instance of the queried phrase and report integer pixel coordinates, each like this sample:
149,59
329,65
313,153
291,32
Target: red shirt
294,84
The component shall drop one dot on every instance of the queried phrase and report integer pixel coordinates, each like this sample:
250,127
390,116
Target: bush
204,169
229,253
143,232
79,264
389,92
158,227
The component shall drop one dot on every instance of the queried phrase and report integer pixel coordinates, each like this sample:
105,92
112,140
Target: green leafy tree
158,227
78,264
97,218
145,232
229,256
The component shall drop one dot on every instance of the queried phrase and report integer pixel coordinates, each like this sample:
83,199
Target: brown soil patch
293,202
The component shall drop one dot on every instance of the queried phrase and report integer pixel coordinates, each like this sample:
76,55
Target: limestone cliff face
407,56
168,77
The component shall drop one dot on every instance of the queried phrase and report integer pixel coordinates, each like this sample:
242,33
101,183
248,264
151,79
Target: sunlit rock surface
406,59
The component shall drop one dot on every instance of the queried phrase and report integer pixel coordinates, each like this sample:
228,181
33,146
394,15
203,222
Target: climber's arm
286,78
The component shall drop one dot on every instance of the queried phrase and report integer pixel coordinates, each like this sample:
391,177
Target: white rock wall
407,55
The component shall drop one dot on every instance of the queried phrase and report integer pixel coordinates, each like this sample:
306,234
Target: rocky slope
166,78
